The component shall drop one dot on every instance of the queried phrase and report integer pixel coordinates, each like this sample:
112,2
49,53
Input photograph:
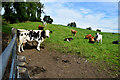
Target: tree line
23,11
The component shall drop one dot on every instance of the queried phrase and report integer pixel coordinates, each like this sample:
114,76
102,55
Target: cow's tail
18,34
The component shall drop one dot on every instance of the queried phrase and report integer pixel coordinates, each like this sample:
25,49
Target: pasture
105,54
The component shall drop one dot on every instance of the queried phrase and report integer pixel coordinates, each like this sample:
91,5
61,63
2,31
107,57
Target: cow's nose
47,36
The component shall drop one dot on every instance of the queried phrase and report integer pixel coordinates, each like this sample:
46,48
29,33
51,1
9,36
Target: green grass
105,52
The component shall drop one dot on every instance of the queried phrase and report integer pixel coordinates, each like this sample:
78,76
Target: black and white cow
98,37
68,39
31,35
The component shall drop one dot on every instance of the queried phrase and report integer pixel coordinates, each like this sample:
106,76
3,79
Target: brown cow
73,32
92,39
88,36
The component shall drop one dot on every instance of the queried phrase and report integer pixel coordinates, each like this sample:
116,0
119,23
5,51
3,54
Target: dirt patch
5,40
37,70
52,64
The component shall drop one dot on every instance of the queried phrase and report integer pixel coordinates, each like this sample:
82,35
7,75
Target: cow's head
46,33
92,39
97,33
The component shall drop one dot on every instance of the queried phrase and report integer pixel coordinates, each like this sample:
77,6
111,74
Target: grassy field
97,52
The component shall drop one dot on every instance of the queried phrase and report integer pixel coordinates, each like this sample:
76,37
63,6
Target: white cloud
85,11
64,15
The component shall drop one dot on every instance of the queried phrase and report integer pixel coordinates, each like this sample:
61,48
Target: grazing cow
98,37
88,36
68,39
92,39
40,27
98,30
31,35
73,32
44,23
116,42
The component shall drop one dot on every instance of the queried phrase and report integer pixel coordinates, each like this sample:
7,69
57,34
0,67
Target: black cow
116,42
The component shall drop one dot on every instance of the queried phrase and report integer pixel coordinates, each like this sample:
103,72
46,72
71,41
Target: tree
8,15
22,11
89,28
72,24
39,10
47,19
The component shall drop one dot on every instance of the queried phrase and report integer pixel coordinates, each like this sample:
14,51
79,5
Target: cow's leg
38,46
32,44
75,34
22,47
98,41
19,47
101,41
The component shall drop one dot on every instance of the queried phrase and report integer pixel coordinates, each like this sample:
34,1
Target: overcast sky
98,15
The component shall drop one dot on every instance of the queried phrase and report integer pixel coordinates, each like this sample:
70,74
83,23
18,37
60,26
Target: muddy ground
52,64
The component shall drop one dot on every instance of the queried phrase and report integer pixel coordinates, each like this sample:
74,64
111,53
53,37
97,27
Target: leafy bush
72,24
48,19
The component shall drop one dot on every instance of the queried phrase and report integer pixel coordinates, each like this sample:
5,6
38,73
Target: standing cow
32,35
44,23
73,32
98,37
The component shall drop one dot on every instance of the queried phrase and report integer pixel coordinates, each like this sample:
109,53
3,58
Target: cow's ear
50,31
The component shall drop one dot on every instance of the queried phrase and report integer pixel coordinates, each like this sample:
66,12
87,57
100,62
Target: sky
97,15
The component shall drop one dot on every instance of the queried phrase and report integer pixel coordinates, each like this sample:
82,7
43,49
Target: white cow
44,23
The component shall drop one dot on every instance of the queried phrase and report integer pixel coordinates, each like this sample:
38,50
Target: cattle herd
91,38
39,36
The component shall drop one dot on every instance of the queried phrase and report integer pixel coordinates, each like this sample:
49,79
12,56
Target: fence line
4,57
